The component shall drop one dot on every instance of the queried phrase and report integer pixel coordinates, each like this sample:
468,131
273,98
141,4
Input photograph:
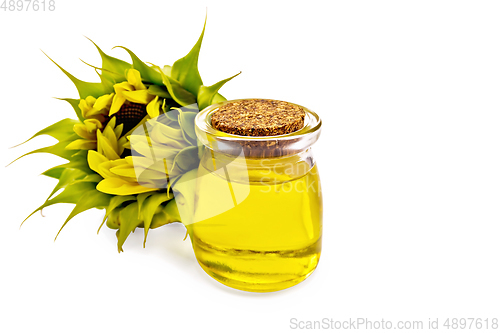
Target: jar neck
243,169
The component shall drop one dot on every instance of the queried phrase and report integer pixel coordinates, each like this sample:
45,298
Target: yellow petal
153,108
112,122
125,144
103,101
104,147
105,169
95,159
134,78
122,144
90,100
144,163
124,170
168,131
82,144
119,186
158,136
123,86
94,113
92,124
82,131
118,130
138,96
83,106
117,103
109,133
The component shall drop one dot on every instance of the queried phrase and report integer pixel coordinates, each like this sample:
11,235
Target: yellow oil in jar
261,234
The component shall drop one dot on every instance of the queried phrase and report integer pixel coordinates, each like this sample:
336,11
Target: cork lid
258,117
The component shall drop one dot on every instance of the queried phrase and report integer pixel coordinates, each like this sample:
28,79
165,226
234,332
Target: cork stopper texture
258,117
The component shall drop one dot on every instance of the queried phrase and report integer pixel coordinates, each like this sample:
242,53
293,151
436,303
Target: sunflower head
133,185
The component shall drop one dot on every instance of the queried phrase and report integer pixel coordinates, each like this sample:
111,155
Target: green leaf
113,68
89,199
84,88
178,93
148,210
61,130
147,73
206,94
185,70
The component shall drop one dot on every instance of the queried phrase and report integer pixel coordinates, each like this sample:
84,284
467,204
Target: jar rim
256,146
203,124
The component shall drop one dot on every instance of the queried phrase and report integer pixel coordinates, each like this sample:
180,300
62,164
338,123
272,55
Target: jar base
254,287
258,271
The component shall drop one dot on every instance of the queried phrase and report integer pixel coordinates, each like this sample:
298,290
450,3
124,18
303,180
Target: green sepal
218,98
59,149
173,114
71,194
186,159
178,93
140,200
206,94
185,70
106,80
68,176
113,68
184,191
174,133
114,203
93,178
113,220
77,161
148,210
85,89
61,130
186,122
147,73
129,221
167,70
158,91
89,199
74,103
107,83
168,214
54,172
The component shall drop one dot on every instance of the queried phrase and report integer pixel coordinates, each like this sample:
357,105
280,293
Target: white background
409,92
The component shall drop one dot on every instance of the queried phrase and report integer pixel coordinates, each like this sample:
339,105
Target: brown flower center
130,114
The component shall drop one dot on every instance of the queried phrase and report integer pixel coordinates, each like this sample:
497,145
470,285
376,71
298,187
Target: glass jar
258,207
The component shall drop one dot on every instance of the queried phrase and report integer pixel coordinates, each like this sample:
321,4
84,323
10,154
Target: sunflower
134,110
